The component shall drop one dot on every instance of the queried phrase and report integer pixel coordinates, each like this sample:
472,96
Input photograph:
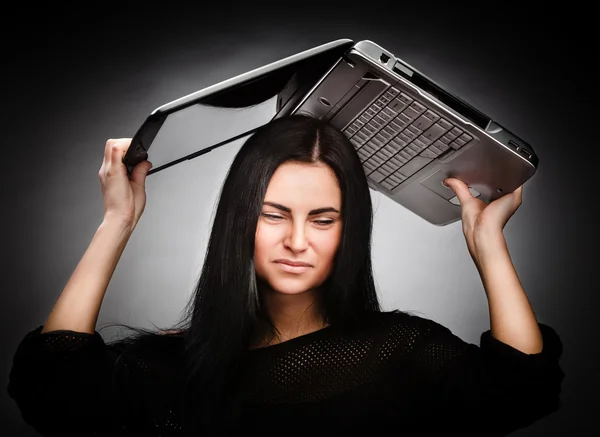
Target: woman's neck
292,315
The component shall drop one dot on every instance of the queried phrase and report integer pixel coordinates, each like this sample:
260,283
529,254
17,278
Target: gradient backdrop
76,76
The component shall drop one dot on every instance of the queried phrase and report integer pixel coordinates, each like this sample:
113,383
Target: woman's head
301,164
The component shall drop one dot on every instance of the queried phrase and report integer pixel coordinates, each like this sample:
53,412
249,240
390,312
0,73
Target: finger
118,150
115,167
519,195
119,142
108,149
460,189
140,171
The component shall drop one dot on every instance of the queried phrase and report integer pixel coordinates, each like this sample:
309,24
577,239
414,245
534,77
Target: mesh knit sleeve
71,383
493,388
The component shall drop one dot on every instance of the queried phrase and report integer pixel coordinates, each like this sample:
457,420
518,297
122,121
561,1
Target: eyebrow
313,212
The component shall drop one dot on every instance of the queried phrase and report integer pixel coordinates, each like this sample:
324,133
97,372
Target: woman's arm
512,320
78,305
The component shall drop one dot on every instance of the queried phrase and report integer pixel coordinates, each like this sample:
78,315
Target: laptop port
526,153
513,145
384,58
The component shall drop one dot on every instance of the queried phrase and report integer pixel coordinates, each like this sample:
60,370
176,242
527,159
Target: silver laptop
409,133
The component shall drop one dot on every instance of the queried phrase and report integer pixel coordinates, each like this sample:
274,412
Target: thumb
460,189
140,171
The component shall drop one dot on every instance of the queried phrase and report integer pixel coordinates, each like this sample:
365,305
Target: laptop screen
193,131
214,117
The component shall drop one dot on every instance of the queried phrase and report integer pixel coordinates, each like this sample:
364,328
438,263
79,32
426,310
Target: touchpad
435,183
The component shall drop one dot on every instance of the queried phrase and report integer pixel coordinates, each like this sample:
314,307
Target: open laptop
409,133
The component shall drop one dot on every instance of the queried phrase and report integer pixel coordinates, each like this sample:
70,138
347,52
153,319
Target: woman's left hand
481,221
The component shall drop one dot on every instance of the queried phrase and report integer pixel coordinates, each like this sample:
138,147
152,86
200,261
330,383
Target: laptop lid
233,109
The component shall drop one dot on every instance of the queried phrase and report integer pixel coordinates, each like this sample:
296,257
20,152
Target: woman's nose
296,239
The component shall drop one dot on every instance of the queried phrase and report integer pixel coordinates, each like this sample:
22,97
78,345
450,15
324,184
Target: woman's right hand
124,199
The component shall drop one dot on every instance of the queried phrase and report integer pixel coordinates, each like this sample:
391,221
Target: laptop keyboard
396,136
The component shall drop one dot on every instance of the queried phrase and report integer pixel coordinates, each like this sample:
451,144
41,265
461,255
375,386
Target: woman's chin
289,286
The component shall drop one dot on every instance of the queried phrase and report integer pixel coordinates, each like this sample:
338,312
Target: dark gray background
75,77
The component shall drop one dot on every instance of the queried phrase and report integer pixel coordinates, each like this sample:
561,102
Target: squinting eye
277,217
271,216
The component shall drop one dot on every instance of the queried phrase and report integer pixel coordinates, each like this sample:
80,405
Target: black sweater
392,372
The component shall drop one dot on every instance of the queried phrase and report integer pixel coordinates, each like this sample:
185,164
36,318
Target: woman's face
300,223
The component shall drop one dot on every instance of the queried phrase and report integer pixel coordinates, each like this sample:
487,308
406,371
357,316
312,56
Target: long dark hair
225,311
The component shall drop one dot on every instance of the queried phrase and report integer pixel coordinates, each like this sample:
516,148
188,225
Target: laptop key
430,153
404,98
434,132
377,176
445,124
388,184
422,123
414,165
397,105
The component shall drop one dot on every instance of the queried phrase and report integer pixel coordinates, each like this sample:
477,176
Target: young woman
284,332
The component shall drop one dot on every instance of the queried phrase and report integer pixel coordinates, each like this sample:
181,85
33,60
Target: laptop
409,132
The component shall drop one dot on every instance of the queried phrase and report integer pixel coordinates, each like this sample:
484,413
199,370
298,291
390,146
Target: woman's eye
278,217
271,216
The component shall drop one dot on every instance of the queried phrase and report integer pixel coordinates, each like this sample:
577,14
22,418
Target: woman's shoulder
412,333
156,348
403,325
402,319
